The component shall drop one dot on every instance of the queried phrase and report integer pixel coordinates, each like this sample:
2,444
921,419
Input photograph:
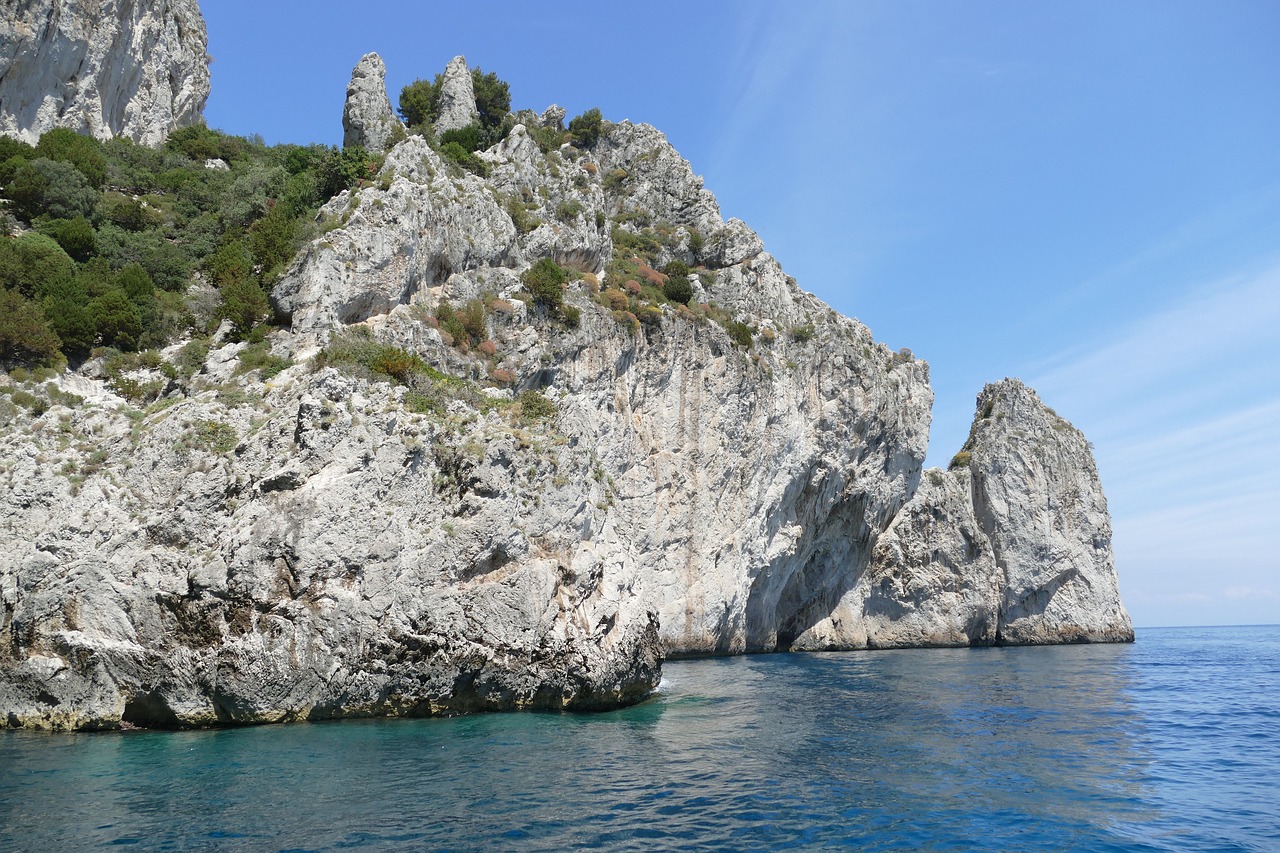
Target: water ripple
1168,744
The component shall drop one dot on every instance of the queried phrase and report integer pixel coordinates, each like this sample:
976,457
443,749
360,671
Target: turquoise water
1169,744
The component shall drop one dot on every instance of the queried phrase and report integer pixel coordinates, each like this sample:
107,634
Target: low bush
740,333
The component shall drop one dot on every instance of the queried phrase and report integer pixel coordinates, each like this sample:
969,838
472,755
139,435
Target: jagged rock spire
457,97
368,119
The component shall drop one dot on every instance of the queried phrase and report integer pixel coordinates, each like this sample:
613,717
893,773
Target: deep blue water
1169,744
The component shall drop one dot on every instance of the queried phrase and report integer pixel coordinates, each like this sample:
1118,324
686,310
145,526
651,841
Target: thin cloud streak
1185,408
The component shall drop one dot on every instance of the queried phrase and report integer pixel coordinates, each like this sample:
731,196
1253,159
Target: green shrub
547,138
615,181
66,305
960,460
76,236
471,137
50,188
535,407
678,289
455,153
567,210
244,303
200,143
802,334
37,406
695,242
740,333
377,359
129,213
676,268
545,280
116,320
84,153
585,128
25,334
257,356
33,262
520,217
215,437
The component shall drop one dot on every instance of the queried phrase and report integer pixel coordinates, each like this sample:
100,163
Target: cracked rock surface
327,542
110,68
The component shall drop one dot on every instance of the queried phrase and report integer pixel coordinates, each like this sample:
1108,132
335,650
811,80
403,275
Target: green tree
44,187
245,304
272,240
493,98
66,307
31,262
76,236
341,169
25,334
116,320
420,102
678,289
82,152
231,264
585,129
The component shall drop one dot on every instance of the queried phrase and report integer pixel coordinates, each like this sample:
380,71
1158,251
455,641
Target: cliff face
1011,546
325,544
111,68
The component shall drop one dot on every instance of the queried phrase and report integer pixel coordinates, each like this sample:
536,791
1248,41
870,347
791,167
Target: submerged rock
111,68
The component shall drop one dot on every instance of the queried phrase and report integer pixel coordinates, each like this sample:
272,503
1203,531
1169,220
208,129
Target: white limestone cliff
1012,545
111,68
320,545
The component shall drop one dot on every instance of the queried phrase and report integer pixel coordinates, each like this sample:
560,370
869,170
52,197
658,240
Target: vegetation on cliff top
102,241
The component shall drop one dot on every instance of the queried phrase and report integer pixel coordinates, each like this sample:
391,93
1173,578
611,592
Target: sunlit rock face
738,474
110,68
1010,546
368,119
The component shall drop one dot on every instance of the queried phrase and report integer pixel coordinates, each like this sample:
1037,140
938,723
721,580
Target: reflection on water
1078,747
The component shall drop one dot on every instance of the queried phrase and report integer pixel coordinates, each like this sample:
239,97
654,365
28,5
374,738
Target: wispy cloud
1184,407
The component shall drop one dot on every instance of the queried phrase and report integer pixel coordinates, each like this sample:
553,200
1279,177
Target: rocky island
527,416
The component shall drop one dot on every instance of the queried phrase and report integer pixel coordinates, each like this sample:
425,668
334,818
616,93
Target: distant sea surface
1172,743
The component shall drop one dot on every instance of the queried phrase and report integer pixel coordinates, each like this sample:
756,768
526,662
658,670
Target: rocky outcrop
1010,546
457,97
368,119
553,501
111,68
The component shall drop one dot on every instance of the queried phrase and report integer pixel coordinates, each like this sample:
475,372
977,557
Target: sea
1171,743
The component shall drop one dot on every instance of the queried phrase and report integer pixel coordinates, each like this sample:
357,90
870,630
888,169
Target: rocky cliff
1011,545
368,119
530,511
111,68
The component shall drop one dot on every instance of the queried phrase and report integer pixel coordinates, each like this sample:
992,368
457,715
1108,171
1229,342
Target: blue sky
1085,195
